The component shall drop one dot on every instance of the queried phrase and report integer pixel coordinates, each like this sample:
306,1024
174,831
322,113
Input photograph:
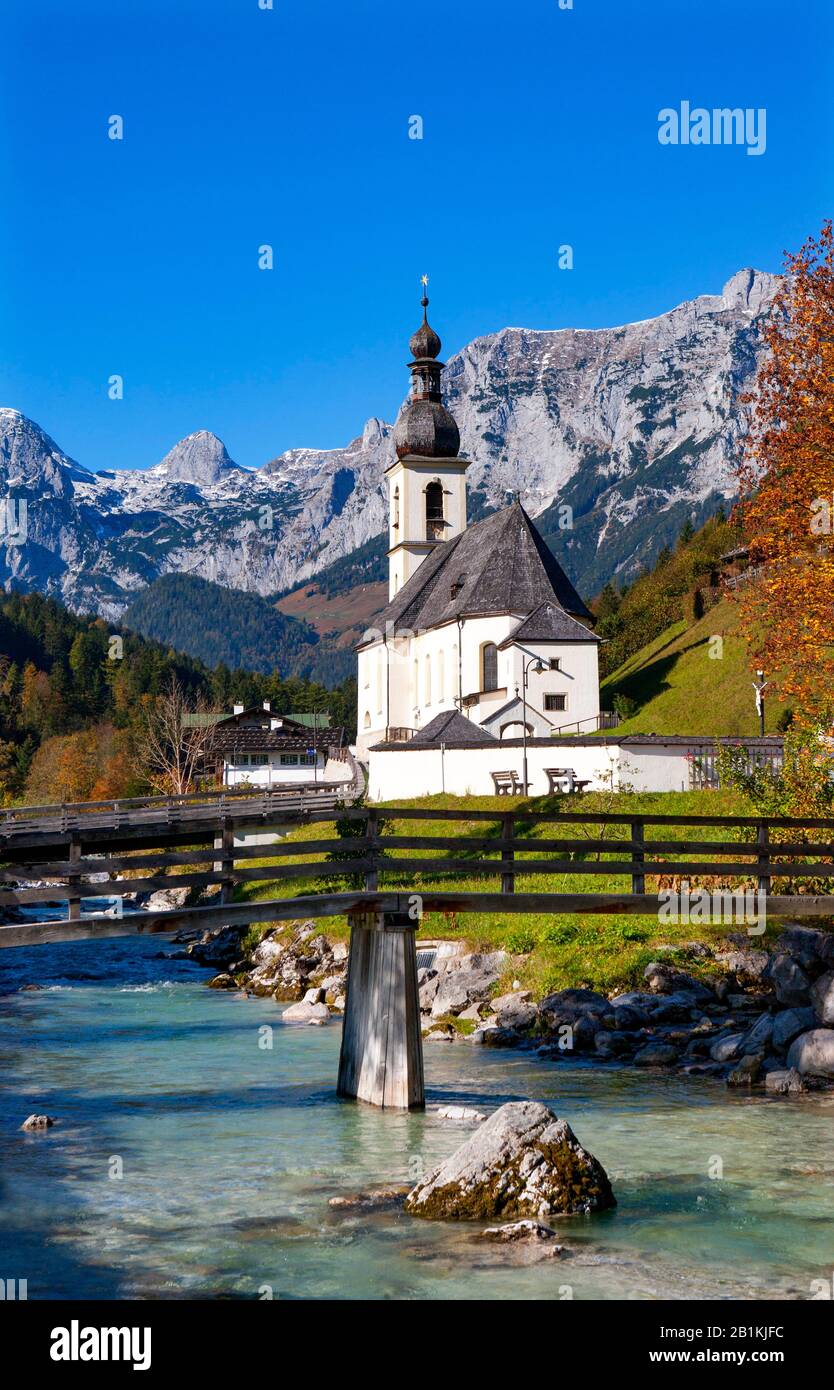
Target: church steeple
425,426
427,484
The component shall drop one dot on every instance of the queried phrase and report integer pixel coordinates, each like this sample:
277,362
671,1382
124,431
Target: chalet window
240,760
489,663
555,663
434,512
258,760
307,759
555,701
289,760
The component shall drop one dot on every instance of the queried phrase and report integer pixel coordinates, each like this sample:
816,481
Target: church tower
427,483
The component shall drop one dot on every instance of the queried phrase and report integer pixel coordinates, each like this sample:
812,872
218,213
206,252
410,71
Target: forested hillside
242,630
72,692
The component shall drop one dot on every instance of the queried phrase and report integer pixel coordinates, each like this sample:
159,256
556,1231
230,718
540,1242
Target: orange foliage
787,502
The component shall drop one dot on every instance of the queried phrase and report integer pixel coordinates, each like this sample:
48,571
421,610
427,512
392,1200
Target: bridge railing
337,873
125,810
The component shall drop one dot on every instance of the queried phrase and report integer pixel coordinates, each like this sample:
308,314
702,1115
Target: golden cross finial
424,281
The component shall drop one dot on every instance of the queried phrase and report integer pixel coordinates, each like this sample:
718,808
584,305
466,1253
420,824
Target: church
481,619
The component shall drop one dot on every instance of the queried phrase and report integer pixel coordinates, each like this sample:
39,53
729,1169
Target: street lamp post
539,666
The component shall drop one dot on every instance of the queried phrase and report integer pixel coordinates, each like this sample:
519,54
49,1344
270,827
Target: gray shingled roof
451,727
499,565
550,623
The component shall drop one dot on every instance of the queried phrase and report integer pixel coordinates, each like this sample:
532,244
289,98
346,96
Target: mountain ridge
632,428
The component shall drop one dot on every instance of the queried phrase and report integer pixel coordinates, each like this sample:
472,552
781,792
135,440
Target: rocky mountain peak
200,458
29,457
750,289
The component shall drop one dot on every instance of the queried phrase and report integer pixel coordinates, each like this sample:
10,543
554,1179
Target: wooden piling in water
381,1060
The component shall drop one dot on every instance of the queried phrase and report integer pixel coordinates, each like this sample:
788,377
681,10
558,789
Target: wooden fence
371,869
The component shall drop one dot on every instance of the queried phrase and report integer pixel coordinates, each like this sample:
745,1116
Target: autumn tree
787,489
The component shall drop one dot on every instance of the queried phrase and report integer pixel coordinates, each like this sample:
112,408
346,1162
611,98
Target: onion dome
425,426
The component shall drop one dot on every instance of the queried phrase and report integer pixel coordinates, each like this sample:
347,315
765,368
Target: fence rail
374,862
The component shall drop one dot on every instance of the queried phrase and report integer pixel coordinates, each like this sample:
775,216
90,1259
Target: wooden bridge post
381,1060
225,841
73,890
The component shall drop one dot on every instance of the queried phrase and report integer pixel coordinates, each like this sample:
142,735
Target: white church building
481,618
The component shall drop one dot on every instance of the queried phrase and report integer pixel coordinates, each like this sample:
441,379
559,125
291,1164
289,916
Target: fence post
73,889
763,860
372,832
507,855
638,877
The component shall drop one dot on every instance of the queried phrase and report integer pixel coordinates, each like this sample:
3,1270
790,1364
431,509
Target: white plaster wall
273,773
466,771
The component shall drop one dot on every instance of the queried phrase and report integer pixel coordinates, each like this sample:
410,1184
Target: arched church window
427,676
367,721
489,663
395,509
434,511
441,677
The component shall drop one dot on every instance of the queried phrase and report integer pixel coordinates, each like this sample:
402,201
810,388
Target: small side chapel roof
550,623
451,727
499,565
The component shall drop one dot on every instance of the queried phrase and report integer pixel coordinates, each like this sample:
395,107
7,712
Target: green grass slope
682,689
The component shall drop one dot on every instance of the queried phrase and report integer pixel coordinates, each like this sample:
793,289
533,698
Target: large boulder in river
522,1162
812,1054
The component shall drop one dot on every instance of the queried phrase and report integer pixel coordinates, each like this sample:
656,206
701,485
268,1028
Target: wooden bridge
385,882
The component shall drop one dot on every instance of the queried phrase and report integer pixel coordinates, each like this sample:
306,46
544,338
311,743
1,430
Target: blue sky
289,127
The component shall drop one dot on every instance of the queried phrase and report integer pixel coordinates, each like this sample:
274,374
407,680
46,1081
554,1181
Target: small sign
311,752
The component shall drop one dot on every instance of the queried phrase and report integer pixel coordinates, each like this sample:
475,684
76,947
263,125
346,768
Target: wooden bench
564,780
506,783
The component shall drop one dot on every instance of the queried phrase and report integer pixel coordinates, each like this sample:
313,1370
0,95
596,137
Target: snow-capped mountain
633,427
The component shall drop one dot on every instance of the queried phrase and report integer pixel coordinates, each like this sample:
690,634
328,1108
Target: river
193,1159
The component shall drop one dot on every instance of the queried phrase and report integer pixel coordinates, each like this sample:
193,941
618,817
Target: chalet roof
550,623
251,739
499,565
450,727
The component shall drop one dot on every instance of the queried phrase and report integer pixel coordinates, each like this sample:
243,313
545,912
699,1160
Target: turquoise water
229,1151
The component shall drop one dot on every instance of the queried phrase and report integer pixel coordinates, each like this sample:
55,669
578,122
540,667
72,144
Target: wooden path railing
375,870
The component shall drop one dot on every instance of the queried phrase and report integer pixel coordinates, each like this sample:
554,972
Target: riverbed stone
38,1122
663,978
218,947
748,966
812,947
788,1024
758,1039
822,998
628,1018
522,1162
305,1011
612,1044
656,1054
726,1048
746,1072
791,983
519,1230
785,1082
466,980
812,1053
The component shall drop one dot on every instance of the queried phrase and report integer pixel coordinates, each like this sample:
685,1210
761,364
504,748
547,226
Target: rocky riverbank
751,1016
